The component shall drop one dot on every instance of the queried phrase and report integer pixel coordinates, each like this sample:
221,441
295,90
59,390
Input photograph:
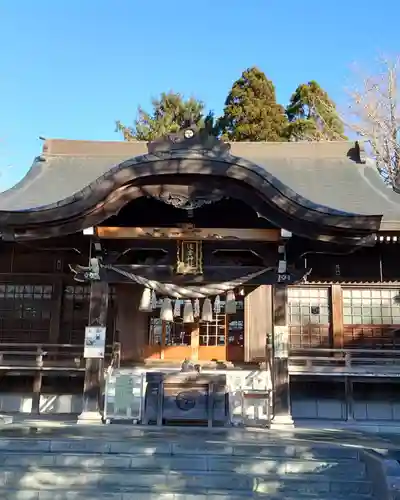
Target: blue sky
70,68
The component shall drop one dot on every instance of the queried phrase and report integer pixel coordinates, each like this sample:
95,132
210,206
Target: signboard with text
95,342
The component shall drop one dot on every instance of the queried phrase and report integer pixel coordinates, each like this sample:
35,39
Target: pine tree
251,112
170,114
312,115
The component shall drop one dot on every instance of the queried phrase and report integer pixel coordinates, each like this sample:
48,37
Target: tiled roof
327,173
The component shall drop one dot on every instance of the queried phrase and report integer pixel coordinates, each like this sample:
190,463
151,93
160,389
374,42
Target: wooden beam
166,233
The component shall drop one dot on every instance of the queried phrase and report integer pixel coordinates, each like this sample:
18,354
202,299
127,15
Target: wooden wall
351,300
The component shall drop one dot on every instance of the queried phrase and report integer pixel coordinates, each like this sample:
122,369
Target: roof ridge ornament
360,147
190,138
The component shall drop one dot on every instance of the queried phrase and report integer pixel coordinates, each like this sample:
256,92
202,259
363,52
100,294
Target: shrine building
266,269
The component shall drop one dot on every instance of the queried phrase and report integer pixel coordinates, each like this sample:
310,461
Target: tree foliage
251,112
312,115
170,113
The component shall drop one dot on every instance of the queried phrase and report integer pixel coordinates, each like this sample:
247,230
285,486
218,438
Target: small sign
95,342
123,395
284,278
281,342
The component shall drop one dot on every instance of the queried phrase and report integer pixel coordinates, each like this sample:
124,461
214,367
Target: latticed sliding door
309,317
212,339
371,317
25,313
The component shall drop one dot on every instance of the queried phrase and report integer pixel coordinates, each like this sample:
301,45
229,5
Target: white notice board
95,342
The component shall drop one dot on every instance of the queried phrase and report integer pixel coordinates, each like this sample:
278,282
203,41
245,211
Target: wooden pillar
131,324
56,312
37,381
37,390
349,398
281,386
337,317
258,323
94,370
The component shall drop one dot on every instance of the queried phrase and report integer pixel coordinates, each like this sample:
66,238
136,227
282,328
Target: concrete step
190,481
98,495
134,464
177,446
181,463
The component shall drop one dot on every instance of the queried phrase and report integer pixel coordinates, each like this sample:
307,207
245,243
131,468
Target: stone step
191,481
98,495
182,463
179,446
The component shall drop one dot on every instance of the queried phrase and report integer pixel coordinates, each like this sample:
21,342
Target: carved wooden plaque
189,257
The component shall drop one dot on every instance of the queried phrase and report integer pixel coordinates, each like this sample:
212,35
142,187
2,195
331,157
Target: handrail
50,356
351,350
324,361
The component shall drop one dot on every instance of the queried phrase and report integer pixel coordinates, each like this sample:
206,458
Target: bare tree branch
373,113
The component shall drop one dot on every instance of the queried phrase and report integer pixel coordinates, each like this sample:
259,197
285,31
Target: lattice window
171,334
213,333
371,307
308,316
178,333
25,312
75,314
235,324
155,330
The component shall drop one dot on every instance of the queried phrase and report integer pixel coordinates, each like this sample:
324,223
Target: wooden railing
45,357
356,362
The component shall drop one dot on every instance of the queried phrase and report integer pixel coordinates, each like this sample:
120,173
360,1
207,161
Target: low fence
50,356
345,362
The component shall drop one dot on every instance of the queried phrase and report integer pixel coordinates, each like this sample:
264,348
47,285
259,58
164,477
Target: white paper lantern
230,303
207,314
217,305
145,301
166,312
188,316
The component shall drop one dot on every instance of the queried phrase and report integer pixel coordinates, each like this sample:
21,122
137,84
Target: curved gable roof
330,175
322,172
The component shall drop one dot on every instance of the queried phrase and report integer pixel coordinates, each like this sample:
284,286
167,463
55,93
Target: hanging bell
188,312
217,305
153,300
230,302
166,312
207,314
145,301
196,308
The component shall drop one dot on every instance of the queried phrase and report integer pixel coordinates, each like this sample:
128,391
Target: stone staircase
118,463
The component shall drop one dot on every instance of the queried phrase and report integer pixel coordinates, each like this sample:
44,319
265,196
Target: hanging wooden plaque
189,257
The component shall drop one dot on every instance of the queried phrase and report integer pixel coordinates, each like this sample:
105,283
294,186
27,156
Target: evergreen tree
312,115
251,112
170,114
